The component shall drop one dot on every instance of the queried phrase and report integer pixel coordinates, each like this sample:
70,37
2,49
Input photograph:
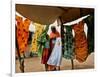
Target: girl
45,54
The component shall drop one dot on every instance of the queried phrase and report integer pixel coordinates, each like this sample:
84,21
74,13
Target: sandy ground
34,64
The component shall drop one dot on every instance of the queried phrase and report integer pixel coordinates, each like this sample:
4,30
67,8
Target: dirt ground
34,64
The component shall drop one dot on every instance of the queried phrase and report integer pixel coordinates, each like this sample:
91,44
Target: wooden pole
72,63
62,34
20,59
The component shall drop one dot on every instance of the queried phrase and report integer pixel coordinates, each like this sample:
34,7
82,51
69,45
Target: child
46,54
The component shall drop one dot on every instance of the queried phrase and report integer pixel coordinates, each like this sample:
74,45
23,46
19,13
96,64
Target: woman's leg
51,68
46,67
58,68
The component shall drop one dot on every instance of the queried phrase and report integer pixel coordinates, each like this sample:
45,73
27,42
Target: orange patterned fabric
81,48
22,33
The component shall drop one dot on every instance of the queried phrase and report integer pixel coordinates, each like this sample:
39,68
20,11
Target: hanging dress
56,55
90,34
68,43
22,33
81,47
38,31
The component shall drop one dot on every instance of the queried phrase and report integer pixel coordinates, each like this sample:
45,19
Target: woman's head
53,29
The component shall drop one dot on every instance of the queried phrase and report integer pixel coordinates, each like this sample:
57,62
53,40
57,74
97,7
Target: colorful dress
41,40
68,43
81,46
22,33
38,31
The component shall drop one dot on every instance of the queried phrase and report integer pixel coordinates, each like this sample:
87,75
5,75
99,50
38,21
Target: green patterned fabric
42,41
68,43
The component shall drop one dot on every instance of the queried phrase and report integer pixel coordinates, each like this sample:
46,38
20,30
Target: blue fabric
56,55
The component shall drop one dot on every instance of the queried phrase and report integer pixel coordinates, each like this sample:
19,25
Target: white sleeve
32,27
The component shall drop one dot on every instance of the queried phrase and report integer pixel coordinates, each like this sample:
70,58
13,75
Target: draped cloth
81,46
68,43
38,31
22,33
42,41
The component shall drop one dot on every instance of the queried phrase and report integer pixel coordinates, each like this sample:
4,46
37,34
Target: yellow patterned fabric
38,30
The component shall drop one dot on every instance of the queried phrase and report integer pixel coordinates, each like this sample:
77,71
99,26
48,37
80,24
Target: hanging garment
42,41
81,47
56,55
38,30
90,35
22,33
68,43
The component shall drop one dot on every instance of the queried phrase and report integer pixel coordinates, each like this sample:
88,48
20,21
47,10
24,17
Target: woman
54,60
